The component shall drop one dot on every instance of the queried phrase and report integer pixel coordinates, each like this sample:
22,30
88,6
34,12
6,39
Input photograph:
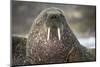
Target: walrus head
53,20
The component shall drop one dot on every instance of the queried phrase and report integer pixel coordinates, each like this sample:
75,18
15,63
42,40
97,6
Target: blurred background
80,18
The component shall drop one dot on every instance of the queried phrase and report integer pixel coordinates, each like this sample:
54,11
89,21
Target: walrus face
53,21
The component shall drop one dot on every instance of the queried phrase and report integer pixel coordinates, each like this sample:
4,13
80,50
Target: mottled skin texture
67,49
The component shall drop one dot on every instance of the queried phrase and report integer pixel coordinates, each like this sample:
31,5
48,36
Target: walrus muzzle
48,35
54,23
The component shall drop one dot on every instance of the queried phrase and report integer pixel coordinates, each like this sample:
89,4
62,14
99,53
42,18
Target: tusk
59,33
48,33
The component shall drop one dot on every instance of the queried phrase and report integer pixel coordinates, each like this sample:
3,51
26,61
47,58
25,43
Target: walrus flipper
18,49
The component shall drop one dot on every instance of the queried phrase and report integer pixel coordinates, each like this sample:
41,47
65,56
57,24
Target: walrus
51,40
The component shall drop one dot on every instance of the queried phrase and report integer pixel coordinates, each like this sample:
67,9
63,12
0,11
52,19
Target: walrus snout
52,16
58,31
54,22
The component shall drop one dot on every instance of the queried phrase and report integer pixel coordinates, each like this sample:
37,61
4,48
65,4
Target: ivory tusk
59,33
48,35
